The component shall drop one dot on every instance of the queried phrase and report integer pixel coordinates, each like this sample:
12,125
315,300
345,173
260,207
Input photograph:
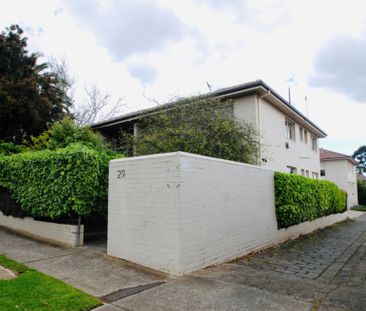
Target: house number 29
121,174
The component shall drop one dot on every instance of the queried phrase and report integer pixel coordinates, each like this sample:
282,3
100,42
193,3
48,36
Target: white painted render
343,173
60,233
179,212
270,123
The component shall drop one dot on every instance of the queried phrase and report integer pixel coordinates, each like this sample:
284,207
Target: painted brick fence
179,212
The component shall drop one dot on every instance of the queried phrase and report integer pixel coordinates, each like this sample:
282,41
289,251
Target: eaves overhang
258,87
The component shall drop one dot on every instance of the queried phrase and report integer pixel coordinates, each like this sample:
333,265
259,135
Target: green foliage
65,182
360,156
299,199
11,148
201,125
31,97
361,190
33,290
66,132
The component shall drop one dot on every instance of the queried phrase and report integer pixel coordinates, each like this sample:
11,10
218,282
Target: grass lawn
361,208
33,290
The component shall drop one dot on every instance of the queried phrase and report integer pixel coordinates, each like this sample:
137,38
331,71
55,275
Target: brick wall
179,212
60,233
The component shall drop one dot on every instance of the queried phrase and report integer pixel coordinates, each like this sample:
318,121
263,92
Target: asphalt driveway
325,270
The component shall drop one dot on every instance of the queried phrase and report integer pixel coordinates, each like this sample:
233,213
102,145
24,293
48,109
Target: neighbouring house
289,139
341,169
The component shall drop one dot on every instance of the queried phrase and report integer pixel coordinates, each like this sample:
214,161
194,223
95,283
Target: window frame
314,143
290,128
305,136
301,133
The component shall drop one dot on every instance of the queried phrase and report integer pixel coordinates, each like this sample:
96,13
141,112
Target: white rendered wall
270,123
299,154
343,173
245,109
179,212
60,233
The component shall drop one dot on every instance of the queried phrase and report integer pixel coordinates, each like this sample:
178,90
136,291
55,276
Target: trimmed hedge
299,199
65,182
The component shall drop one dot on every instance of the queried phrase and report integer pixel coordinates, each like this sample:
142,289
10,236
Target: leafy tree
360,156
202,125
67,132
31,97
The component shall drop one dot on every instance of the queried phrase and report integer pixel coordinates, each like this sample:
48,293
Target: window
305,136
315,175
314,143
301,134
290,130
302,172
291,169
322,172
307,173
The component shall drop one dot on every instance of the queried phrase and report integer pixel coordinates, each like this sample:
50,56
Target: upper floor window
315,175
301,133
305,136
290,130
314,143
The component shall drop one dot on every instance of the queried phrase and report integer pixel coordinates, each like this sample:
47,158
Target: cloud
145,73
128,27
225,3
264,16
341,67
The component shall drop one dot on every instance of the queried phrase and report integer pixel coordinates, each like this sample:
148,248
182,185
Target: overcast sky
160,49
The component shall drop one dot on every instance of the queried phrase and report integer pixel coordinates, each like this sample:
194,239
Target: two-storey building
289,140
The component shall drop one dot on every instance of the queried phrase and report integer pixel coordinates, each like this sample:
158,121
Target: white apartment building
289,140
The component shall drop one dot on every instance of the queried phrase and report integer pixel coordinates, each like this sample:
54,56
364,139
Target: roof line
224,92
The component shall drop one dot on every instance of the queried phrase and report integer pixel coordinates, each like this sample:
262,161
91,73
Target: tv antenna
307,109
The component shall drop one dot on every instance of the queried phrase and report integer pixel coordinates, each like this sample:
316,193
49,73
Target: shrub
65,182
66,132
10,148
299,199
201,125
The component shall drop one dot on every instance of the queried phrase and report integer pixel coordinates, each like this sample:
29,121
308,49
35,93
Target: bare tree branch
97,107
61,69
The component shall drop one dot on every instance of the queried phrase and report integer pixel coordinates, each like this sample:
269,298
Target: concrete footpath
325,270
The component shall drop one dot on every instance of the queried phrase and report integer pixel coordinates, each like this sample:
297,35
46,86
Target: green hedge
65,182
299,199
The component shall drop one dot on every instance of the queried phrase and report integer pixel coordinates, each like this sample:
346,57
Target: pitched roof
258,87
328,155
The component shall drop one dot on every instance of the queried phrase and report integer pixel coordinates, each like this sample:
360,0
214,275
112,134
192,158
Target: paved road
322,271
